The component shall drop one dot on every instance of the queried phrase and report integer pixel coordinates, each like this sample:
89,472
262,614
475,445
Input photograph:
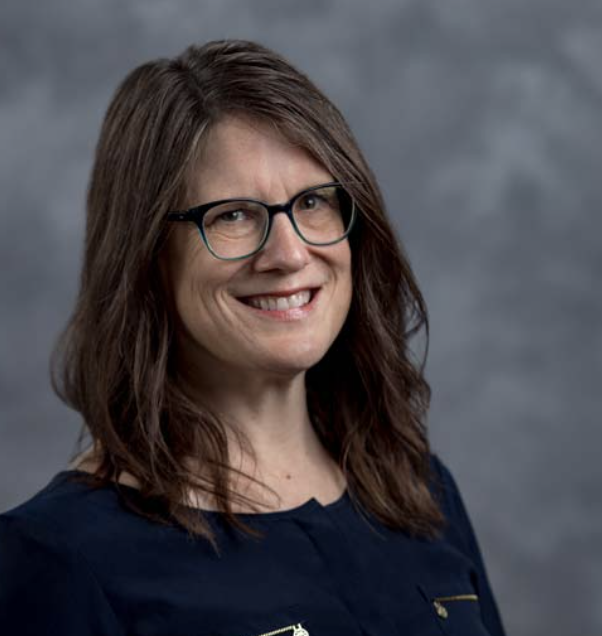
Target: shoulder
71,534
47,511
73,517
29,544
57,504
442,484
46,583
444,487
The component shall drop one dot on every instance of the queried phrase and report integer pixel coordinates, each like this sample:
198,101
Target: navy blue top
76,562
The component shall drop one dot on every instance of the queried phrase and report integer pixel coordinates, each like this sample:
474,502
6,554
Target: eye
230,216
311,200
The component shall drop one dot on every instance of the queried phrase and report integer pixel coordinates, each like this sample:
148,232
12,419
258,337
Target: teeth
281,303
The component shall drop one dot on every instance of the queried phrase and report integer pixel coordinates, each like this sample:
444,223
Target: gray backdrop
483,123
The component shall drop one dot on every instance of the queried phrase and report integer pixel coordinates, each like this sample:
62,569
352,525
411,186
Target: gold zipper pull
458,597
440,609
297,631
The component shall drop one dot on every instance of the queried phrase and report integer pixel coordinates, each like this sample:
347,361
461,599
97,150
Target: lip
287,315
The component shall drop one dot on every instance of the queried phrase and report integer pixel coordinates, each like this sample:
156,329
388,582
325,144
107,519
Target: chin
293,360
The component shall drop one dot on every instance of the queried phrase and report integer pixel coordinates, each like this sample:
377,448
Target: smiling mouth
246,300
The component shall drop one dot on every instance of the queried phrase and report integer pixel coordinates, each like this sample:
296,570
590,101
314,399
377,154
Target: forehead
251,158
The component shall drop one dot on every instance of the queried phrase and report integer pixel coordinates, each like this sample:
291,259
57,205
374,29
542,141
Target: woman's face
220,336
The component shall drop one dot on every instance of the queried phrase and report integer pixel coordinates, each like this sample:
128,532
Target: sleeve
463,528
46,587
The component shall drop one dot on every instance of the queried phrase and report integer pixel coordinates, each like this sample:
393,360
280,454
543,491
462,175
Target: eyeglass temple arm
178,216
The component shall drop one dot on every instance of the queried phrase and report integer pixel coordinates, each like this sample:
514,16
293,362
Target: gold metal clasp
298,630
442,610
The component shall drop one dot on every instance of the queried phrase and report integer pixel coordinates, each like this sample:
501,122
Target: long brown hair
114,362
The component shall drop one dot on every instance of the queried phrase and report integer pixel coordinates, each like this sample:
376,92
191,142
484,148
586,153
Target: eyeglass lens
237,228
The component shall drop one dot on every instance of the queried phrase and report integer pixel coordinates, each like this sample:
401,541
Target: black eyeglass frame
197,213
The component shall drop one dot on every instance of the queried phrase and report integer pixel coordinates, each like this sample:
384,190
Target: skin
249,368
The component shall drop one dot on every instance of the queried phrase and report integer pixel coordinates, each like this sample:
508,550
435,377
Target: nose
283,245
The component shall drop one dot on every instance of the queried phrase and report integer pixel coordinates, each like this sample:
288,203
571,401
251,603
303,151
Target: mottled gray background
483,122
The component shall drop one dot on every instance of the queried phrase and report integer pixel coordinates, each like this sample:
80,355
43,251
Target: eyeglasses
233,229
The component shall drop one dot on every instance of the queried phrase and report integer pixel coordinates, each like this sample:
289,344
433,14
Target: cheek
344,267
342,271
186,288
348,280
348,286
194,294
201,299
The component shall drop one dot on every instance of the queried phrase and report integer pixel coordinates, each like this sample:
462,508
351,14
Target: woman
260,463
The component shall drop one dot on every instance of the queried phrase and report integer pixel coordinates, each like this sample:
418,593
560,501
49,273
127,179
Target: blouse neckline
309,506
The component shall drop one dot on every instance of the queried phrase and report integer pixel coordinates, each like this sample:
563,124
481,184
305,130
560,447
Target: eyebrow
258,198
